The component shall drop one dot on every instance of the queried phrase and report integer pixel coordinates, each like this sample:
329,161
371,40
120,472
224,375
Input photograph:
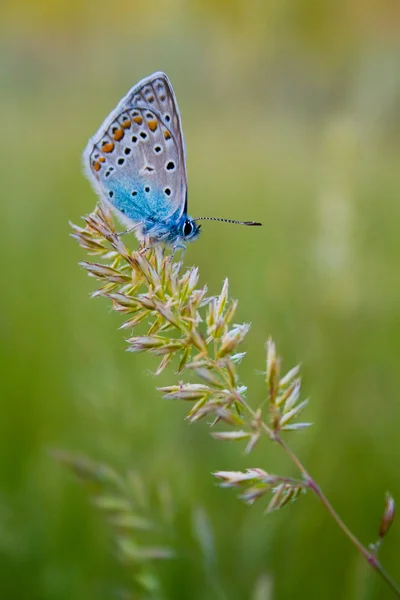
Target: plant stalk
369,556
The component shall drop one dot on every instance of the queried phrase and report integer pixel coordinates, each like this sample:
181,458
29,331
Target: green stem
369,556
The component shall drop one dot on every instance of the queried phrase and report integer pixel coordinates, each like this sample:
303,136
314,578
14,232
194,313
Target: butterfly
136,163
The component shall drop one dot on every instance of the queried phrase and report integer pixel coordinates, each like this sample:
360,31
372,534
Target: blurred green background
291,117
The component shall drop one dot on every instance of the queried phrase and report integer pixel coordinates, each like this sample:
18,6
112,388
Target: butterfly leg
150,243
160,240
178,245
130,229
149,247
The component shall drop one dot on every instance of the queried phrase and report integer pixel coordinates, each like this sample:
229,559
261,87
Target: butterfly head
190,230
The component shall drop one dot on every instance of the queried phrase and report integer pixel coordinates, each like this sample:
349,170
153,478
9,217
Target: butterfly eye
188,229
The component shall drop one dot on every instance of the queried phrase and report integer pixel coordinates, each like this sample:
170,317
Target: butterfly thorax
171,231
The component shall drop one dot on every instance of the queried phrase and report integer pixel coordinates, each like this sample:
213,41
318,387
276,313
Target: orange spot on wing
101,159
138,119
167,134
96,166
126,124
118,135
152,125
108,147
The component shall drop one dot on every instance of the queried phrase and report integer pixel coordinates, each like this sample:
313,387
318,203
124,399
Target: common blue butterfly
136,163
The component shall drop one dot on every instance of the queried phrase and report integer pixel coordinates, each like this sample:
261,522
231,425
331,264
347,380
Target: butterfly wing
136,160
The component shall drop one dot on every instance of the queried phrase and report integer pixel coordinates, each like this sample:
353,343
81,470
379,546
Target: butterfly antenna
248,223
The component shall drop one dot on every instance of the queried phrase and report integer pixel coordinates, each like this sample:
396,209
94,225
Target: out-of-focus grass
319,169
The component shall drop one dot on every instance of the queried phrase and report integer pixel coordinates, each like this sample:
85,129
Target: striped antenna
248,223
